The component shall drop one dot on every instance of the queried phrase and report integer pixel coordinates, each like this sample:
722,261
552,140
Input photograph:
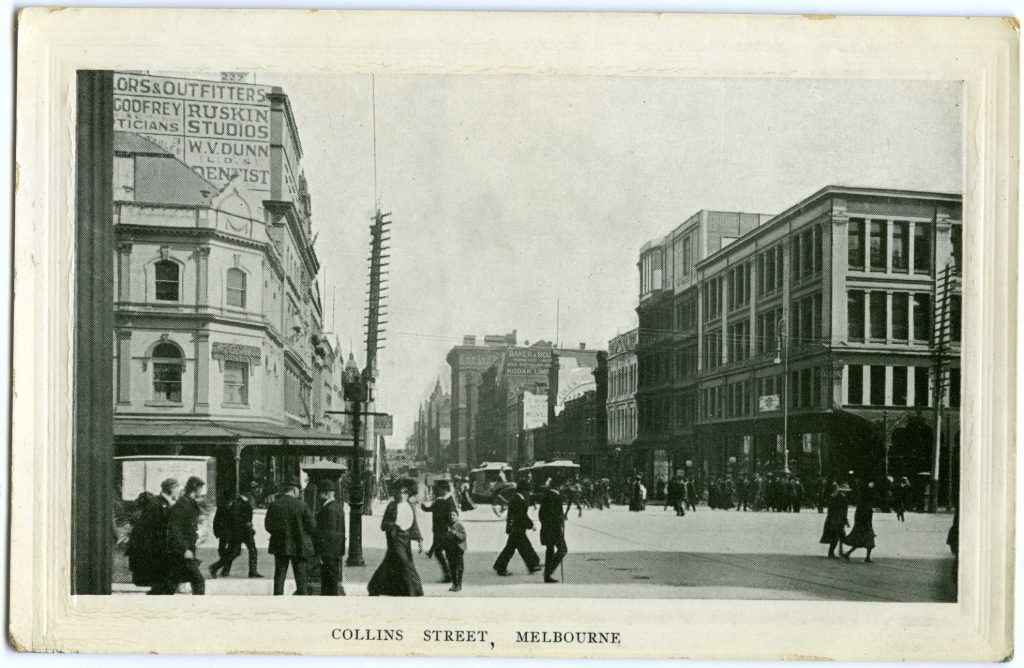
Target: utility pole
783,352
359,386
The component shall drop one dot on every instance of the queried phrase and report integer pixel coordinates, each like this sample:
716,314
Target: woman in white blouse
396,575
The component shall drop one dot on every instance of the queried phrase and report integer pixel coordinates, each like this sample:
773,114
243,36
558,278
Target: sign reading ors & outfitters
218,128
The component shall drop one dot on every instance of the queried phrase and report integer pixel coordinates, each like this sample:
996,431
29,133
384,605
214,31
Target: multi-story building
621,405
818,323
431,438
468,362
219,345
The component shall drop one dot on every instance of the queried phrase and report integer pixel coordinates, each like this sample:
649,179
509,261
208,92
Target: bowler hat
845,488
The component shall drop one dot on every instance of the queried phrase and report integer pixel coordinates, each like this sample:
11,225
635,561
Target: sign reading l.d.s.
218,128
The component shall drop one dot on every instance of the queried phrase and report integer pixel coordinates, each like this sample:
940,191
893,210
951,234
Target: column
124,271
203,274
124,367
202,366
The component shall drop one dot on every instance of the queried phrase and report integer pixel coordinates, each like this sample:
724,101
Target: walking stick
561,564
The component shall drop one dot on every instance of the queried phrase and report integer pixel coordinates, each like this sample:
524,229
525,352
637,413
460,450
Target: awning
165,436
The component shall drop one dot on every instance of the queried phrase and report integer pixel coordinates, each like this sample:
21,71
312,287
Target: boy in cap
453,544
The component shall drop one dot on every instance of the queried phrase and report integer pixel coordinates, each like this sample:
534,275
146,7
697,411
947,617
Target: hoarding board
218,128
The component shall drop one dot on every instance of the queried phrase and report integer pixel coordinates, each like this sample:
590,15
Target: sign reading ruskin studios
220,129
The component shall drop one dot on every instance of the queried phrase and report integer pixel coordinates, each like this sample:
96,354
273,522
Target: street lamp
782,357
355,388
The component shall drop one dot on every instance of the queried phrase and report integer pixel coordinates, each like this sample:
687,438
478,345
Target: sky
510,194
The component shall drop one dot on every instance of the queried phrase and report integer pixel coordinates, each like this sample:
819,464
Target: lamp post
782,357
355,392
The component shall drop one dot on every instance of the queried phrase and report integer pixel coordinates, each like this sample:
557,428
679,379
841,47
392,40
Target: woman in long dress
396,575
863,533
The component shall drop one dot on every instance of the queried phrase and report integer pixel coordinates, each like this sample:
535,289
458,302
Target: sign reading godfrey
220,129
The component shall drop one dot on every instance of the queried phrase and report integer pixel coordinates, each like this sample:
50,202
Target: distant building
844,289
622,376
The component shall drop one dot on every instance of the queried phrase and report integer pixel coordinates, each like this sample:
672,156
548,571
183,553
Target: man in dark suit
442,508
516,526
147,550
236,530
291,526
182,534
552,530
330,540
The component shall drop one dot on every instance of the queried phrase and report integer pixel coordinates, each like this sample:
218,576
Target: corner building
846,291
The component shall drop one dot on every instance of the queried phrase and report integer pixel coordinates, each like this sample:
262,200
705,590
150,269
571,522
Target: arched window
167,368
167,281
236,288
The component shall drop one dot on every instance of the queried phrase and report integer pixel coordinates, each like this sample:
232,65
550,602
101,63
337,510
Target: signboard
573,381
769,402
535,410
527,361
383,425
218,128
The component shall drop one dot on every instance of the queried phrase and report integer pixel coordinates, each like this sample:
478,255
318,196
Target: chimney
583,345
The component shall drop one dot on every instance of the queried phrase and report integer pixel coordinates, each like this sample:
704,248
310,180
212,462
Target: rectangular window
878,245
816,387
899,386
855,385
807,320
855,315
167,381
954,388
807,253
922,317
877,385
236,382
818,257
900,316
877,315
855,243
920,385
794,389
769,272
687,256
805,387
817,332
922,248
900,246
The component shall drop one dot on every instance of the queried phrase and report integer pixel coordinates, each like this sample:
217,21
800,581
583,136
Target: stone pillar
124,271
203,275
202,371
124,367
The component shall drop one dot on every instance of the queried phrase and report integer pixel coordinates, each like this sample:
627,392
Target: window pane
878,250
236,379
236,288
920,385
900,316
922,317
167,381
855,243
877,315
900,246
878,386
855,314
922,248
855,385
166,281
899,386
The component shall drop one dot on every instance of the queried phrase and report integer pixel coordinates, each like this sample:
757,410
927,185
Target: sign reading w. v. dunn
218,128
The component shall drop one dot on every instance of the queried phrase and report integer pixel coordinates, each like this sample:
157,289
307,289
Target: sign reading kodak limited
220,129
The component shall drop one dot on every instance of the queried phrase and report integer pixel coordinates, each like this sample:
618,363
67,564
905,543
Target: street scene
485,336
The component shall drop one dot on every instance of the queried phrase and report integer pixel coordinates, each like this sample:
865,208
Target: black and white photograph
513,335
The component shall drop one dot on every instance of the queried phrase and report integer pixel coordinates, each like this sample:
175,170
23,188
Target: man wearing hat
330,538
149,540
291,526
182,535
441,510
836,521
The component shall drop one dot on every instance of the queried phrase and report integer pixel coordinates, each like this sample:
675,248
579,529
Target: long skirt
862,535
396,575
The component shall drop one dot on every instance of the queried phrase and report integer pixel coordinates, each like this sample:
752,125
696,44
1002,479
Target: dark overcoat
552,521
291,526
330,530
836,519
518,519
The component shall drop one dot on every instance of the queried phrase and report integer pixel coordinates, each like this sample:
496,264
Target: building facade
808,342
219,341
621,405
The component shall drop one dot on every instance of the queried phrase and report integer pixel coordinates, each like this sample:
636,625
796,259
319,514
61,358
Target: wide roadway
614,553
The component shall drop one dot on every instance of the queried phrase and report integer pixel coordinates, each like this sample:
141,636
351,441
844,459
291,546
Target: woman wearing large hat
863,533
396,575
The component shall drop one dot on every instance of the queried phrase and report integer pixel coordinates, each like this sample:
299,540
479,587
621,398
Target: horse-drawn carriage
490,479
558,471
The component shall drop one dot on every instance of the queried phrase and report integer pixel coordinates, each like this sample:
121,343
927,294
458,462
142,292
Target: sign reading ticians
218,128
